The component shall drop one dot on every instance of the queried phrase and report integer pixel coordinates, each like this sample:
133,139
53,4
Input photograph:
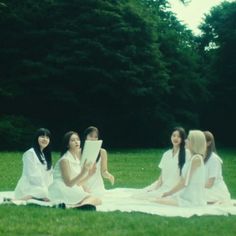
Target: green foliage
15,131
129,67
218,47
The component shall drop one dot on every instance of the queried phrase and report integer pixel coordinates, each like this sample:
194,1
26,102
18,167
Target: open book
90,151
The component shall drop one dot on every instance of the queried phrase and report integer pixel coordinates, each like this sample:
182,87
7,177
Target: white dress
35,178
170,174
59,192
95,183
193,194
219,190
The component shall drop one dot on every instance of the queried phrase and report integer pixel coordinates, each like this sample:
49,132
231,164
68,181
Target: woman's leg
25,198
91,200
167,201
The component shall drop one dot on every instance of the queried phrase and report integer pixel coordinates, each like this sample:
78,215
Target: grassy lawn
132,168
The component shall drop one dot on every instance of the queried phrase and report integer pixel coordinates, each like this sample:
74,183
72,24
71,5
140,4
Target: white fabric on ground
119,199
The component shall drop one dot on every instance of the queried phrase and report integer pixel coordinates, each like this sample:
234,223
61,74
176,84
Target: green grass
132,168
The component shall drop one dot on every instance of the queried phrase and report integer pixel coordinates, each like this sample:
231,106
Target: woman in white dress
216,189
69,176
95,184
37,169
171,165
190,191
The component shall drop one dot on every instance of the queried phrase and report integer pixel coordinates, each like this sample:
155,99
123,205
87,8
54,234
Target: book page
90,151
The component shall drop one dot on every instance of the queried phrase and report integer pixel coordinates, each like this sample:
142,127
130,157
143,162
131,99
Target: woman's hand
86,167
86,189
92,170
166,194
111,178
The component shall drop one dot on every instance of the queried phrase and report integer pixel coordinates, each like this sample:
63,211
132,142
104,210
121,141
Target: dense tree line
128,67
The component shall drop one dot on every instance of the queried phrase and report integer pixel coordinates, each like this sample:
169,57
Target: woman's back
194,192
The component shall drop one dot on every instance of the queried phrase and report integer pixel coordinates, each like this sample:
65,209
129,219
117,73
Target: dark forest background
129,67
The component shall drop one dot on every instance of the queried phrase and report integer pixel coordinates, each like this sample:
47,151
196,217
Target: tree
218,46
99,64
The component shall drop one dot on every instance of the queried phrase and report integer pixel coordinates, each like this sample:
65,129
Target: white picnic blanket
120,199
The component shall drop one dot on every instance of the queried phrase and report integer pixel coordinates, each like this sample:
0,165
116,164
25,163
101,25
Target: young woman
37,169
95,184
69,176
216,189
192,182
171,166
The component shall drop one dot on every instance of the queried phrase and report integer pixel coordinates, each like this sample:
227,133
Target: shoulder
66,156
197,160
103,151
30,153
63,161
167,153
215,159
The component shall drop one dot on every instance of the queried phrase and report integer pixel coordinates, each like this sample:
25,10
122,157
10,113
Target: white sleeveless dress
193,194
95,183
58,191
219,190
35,178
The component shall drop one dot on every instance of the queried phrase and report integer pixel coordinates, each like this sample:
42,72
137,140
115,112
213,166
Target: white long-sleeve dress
35,178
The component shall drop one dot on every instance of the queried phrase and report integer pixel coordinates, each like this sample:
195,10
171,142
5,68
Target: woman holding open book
70,176
95,184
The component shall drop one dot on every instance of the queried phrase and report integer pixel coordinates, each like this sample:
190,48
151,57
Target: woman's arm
210,182
157,184
80,179
177,188
213,169
104,169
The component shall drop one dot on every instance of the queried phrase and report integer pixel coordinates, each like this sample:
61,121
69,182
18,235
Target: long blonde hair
197,142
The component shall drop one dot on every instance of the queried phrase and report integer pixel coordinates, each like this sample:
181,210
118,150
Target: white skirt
60,193
25,188
218,192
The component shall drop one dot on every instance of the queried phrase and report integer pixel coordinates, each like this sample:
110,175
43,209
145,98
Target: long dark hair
182,152
211,148
46,151
88,131
66,140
